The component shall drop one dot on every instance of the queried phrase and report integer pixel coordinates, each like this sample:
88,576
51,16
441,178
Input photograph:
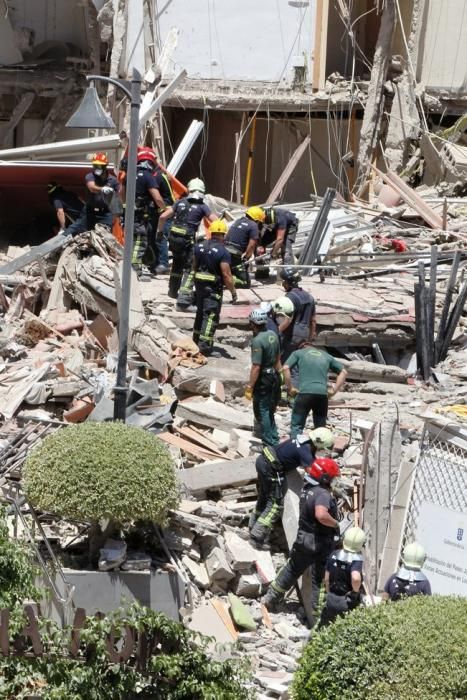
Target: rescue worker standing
272,466
146,196
101,187
241,242
186,216
317,526
264,386
211,267
68,206
281,227
409,580
344,578
166,199
312,392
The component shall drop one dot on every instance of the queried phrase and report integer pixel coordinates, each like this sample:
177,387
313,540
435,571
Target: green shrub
410,650
182,671
94,471
17,571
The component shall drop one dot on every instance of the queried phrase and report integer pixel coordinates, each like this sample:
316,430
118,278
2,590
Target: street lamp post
89,111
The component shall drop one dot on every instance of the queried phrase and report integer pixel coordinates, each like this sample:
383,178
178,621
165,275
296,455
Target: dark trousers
287,349
181,248
209,304
140,242
87,220
270,504
240,273
266,395
299,560
303,404
335,606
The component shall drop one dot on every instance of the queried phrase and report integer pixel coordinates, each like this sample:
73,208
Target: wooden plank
288,170
198,437
18,113
411,198
219,474
186,446
223,613
38,251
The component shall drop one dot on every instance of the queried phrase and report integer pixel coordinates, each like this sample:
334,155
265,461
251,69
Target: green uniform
313,366
266,392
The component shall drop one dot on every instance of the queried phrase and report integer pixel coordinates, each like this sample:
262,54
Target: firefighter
241,242
147,196
343,578
280,228
409,580
265,384
211,268
186,216
101,187
317,526
271,467
158,239
68,206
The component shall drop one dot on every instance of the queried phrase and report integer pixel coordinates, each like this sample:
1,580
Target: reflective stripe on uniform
205,277
269,519
179,229
208,334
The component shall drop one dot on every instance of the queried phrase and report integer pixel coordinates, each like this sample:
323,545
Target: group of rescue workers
284,362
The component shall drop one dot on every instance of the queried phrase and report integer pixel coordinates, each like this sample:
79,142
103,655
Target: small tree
413,649
102,472
17,571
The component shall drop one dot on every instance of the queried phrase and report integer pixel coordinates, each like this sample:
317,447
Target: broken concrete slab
265,566
198,381
216,475
248,586
218,567
198,572
215,415
240,553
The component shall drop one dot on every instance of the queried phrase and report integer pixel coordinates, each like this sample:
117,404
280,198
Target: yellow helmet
257,214
218,226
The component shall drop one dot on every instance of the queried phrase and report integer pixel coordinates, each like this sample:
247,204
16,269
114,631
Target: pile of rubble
58,349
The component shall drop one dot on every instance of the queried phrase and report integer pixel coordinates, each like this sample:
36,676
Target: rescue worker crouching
265,382
409,580
211,268
281,228
186,216
343,578
68,206
241,242
317,526
272,466
101,188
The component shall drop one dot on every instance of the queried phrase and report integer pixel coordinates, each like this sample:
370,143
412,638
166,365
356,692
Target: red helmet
100,159
323,470
146,154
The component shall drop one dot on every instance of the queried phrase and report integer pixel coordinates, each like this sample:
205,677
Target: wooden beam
321,45
17,114
288,170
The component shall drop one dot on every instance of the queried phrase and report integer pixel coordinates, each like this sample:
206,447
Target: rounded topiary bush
410,650
94,471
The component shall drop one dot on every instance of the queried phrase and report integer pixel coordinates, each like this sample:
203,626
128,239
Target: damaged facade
351,116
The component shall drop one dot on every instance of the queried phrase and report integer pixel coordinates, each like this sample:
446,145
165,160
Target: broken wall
240,40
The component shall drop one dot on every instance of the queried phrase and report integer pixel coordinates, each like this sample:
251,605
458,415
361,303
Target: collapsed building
341,112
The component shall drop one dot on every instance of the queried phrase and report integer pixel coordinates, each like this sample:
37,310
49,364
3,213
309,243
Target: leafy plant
413,649
102,471
182,671
17,571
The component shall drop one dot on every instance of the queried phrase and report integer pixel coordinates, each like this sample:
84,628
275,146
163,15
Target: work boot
162,270
272,599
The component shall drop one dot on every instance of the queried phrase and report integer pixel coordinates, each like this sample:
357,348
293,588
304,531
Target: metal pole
121,389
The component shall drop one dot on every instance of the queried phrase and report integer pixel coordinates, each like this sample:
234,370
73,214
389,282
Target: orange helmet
100,159
146,154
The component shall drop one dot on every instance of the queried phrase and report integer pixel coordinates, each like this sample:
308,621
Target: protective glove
293,392
331,392
234,298
107,190
248,393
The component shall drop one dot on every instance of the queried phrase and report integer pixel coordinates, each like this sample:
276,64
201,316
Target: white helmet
266,306
322,438
354,539
283,307
196,188
259,317
414,556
